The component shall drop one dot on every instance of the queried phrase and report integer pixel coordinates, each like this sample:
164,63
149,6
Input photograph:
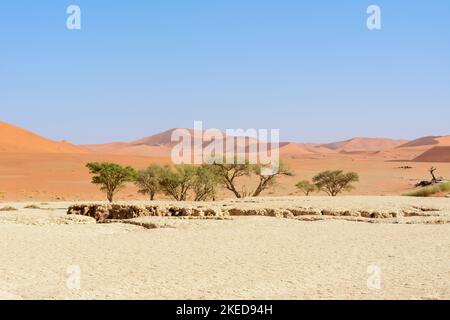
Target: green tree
205,182
147,180
229,174
335,182
176,181
306,186
268,176
111,177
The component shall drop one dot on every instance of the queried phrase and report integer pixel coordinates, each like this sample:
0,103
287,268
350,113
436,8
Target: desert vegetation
147,180
111,177
201,183
330,182
32,206
180,182
230,173
306,187
176,181
335,182
8,208
428,188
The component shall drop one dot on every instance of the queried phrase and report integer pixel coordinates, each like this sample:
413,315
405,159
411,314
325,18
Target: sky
309,68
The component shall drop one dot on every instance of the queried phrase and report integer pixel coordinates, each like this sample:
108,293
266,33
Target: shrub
8,208
335,182
32,206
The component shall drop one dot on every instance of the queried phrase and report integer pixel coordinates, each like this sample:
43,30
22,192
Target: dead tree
432,170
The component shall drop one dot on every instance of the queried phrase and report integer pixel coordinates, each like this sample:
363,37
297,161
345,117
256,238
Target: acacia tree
268,176
229,173
335,182
176,181
147,181
111,177
306,186
205,183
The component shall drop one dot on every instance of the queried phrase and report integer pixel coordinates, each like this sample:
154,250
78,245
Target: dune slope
18,140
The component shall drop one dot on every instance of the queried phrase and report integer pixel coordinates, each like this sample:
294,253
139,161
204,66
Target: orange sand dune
122,148
294,150
436,154
364,144
32,167
416,148
297,150
14,139
159,145
428,142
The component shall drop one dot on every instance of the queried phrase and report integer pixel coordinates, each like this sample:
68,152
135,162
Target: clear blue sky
309,68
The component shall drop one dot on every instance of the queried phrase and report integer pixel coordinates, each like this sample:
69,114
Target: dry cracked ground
268,248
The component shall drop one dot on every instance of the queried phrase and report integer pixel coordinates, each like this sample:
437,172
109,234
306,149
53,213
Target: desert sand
283,248
47,177
36,168
228,258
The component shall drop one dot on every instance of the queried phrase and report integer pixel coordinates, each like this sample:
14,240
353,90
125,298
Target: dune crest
17,140
364,144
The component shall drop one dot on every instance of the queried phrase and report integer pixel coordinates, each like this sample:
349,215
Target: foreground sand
230,258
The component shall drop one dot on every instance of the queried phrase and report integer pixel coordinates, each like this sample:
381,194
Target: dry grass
32,206
8,208
430,190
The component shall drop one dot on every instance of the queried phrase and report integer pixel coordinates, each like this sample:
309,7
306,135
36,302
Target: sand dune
156,145
435,154
428,142
421,149
161,144
364,144
15,139
32,167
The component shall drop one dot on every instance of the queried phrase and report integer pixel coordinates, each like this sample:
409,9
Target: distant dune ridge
16,140
158,145
364,144
426,149
161,144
